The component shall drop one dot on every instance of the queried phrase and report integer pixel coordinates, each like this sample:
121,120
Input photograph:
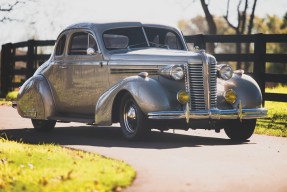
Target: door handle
63,67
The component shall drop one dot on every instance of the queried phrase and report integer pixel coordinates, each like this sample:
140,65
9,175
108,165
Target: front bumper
211,114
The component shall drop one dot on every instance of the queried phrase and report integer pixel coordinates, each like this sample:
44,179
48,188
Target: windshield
141,37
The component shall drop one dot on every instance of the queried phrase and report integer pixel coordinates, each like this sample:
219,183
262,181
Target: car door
81,77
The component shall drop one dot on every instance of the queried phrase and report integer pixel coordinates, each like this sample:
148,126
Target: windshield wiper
135,45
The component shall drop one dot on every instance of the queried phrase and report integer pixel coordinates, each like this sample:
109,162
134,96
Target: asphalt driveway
180,161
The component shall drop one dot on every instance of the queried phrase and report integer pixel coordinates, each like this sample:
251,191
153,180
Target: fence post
30,59
260,62
199,41
6,70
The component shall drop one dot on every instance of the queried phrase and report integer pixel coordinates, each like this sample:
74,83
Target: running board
73,119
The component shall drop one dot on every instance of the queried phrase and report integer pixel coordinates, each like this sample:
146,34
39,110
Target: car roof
100,27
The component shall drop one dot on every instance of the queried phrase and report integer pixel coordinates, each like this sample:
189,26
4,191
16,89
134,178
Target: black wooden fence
259,58
9,58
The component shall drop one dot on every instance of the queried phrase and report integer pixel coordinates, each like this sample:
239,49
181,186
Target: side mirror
91,51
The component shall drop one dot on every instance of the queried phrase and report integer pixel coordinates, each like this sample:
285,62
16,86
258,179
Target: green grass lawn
276,122
11,96
5,102
25,167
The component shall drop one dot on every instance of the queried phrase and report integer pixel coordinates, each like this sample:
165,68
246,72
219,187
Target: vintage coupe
143,77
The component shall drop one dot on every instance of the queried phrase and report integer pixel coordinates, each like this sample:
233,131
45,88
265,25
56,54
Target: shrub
12,96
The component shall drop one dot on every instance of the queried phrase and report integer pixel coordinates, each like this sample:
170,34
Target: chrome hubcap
130,117
132,113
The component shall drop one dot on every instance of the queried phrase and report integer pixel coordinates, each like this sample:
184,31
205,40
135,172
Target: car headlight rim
177,72
225,71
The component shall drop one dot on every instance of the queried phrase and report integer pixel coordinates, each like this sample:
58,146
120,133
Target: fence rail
259,58
9,58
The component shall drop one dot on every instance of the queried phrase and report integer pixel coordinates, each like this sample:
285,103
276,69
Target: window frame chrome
89,32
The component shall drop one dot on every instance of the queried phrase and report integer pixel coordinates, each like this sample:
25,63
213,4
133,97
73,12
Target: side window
61,46
80,42
92,43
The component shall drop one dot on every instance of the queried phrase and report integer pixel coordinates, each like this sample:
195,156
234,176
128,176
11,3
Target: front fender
148,93
35,99
246,89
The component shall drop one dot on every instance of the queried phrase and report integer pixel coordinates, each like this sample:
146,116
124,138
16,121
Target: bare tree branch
10,7
227,9
243,18
209,18
9,19
229,23
212,29
238,17
227,19
251,20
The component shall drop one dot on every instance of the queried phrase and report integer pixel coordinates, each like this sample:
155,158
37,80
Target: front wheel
133,121
43,125
240,130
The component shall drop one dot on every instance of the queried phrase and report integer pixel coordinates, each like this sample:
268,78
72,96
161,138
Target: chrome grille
212,85
196,86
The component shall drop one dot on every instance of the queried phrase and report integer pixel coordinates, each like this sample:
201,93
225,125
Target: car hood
157,55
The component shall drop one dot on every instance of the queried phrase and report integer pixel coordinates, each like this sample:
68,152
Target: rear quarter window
61,46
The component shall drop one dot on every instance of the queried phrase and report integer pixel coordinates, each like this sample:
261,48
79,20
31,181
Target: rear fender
35,99
147,92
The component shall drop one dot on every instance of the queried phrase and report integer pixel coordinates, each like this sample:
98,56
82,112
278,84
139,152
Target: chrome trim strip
187,82
212,114
206,79
133,71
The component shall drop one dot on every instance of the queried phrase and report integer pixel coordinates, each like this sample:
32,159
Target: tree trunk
212,29
249,31
238,51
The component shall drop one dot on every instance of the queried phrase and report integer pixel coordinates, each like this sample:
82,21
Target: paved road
184,161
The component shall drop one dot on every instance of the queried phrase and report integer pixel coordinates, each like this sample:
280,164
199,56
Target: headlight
224,71
176,72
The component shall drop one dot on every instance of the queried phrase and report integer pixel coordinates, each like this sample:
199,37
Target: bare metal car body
95,85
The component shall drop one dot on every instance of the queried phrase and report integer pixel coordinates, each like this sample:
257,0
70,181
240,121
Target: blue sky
44,19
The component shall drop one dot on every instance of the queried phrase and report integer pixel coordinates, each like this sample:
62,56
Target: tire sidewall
240,131
43,125
139,129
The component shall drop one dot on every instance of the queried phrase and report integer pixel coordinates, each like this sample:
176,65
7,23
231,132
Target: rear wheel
240,131
133,121
43,125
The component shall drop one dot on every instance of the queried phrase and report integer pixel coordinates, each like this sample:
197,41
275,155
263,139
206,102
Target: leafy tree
245,22
272,24
198,25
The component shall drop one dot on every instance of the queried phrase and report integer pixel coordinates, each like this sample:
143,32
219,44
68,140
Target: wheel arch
116,105
148,93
